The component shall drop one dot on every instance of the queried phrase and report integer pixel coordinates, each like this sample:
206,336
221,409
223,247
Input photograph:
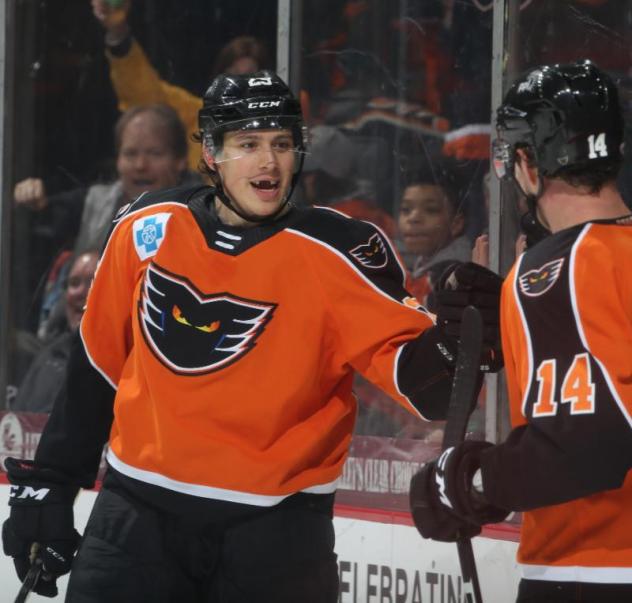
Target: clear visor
243,146
270,122
501,159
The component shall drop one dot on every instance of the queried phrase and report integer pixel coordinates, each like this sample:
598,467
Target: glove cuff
31,485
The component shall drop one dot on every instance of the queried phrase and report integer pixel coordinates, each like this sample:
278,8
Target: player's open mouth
266,190
265,185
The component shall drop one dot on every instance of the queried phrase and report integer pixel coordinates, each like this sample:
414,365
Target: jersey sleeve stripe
527,335
580,326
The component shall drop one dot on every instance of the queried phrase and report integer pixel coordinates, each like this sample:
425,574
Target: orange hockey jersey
232,350
567,342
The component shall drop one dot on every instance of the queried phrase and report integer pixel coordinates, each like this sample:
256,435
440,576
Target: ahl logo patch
194,333
540,280
371,254
253,82
149,233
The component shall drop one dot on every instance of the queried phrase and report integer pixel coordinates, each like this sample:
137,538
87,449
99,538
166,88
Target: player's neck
562,206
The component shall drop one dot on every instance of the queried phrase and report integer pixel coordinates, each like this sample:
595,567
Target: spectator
151,154
45,377
243,54
430,226
136,81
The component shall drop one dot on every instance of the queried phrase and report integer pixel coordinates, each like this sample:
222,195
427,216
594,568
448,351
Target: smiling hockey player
216,358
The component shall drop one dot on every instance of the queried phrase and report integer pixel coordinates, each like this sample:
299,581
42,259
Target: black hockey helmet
568,115
250,102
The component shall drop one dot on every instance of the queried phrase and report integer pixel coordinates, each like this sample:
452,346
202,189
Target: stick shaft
465,390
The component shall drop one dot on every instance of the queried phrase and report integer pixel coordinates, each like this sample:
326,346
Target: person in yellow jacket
136,82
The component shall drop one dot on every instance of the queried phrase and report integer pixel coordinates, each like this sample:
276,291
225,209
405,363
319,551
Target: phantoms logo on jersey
371,254
540,280
192,332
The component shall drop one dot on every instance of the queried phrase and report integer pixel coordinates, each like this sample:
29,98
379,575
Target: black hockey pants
544,591
133,553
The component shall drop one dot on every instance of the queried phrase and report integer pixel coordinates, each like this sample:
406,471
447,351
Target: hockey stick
32,576
30,580
466,386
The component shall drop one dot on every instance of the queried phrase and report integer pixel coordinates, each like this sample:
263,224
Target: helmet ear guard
513,131
503,158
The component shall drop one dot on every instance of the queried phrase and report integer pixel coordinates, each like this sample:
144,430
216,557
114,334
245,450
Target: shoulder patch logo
149,233
371,254
540,280
194,333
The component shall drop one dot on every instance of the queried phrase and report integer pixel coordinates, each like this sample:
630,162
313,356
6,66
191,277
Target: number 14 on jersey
577,388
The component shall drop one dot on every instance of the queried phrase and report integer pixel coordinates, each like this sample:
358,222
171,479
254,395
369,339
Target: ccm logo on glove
440,477
28,492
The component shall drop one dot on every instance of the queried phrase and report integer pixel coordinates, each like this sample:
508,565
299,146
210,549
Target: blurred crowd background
397,97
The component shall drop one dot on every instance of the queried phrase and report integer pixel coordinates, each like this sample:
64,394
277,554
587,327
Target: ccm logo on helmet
28,492
264,104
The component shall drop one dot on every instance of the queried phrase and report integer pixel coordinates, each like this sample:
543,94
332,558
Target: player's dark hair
592,176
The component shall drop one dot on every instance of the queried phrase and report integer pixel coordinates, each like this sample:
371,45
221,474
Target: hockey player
216,359
566,324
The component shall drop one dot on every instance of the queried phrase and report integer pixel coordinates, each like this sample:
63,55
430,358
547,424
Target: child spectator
430,225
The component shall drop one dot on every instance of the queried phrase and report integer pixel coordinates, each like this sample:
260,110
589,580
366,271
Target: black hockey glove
41,514
469,284
432,519
444,504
